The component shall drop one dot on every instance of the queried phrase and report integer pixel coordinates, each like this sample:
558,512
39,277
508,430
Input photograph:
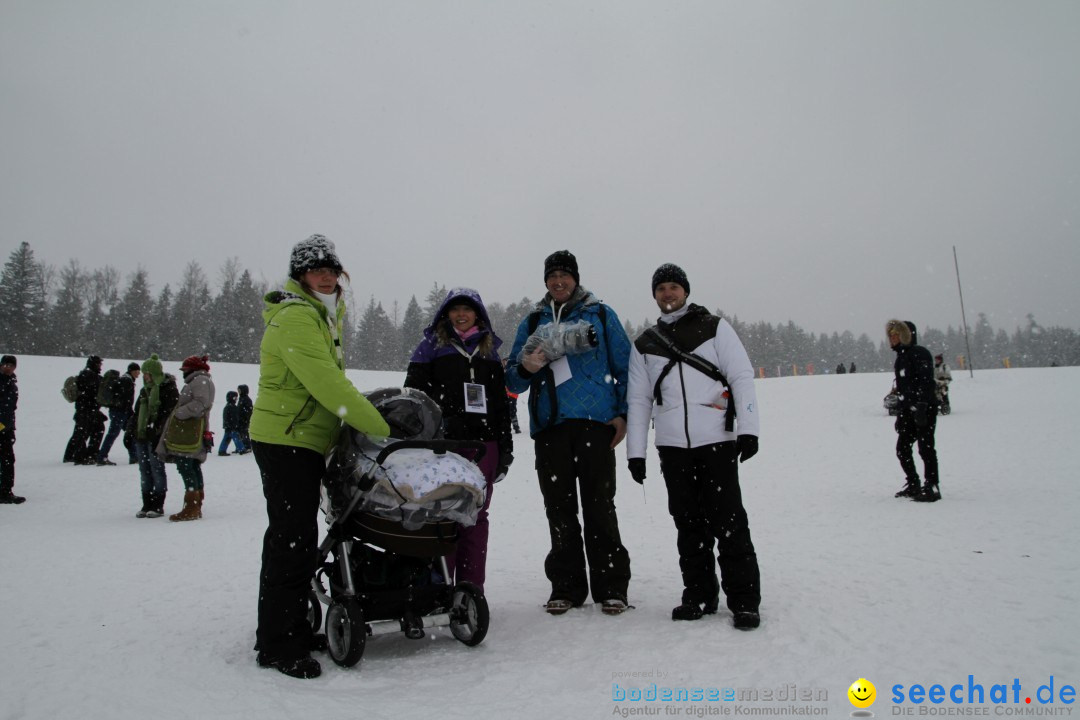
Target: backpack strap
665,345
542,377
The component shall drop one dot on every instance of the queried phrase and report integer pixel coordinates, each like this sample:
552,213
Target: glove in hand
505,461
922,414
637,469
746,447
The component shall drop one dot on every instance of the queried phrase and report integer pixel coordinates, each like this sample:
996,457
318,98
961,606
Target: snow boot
192,508
9,498
614,606
689,610
558,606
746,620
910,490
929,493
304,668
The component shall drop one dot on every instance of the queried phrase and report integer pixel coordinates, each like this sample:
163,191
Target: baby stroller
394,507
944,407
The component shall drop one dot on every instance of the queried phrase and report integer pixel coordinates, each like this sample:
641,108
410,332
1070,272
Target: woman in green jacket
304,396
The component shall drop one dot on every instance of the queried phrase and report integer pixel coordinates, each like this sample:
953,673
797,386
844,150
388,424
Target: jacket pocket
300,417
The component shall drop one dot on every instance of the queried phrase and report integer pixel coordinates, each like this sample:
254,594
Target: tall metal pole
963,317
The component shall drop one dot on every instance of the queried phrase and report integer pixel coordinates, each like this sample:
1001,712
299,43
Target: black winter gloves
922,414
746,447
506,459
637,469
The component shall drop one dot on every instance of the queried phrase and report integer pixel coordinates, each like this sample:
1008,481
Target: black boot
691,610
746,620
910,490
304,668
9,498
929,493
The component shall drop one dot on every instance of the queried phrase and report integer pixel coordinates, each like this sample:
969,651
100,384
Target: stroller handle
439,446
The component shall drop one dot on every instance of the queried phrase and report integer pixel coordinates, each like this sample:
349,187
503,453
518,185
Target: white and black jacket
692,405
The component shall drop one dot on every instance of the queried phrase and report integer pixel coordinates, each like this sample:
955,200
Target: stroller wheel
346,632
469,614
314,612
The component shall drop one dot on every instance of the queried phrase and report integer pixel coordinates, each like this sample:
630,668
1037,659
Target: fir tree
132,320
22,301
190,316
411,332
67,314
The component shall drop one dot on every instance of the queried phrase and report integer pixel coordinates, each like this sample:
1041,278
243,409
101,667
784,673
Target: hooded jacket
244,407
167,396
692,412
304,394
914,369
596,389
230,414
196,400
443,363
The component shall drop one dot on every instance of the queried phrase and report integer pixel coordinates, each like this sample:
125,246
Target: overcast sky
811,161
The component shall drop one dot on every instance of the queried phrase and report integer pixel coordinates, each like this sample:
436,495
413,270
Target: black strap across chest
661,340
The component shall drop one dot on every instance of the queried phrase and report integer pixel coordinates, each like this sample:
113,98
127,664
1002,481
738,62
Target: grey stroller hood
411,477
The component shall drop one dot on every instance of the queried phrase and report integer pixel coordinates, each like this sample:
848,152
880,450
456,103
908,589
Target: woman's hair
443,330
340,290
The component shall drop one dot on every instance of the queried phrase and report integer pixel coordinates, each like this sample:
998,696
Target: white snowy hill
103,615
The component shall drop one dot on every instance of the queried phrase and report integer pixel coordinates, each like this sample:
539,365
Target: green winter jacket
303,392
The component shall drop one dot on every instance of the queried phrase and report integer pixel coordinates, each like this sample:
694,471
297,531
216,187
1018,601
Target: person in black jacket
9,399
917,410
230,426
123,398
457,365
89,420
244,406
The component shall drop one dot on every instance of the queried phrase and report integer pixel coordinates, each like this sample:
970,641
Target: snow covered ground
103,615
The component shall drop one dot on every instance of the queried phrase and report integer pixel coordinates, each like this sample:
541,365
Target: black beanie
9,360
311,254
561,260
669,272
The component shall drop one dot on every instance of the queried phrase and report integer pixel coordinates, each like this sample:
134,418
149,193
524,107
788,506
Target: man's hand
620,430
637,469
534,361
922,414
746,447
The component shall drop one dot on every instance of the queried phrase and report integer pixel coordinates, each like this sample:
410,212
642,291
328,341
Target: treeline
77,312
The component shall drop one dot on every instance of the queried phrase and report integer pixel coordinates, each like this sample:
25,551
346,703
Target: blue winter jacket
596,389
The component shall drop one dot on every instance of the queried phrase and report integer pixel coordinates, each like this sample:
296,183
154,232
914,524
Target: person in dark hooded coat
85,440
457,365
244,405
916,410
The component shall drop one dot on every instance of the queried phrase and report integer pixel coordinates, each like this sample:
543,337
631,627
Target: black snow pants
290,478
574,460
908,433
86,438
705,502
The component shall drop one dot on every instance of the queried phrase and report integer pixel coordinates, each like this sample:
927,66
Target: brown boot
192,507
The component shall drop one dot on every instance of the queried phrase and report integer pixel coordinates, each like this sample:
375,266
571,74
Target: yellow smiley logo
862,693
